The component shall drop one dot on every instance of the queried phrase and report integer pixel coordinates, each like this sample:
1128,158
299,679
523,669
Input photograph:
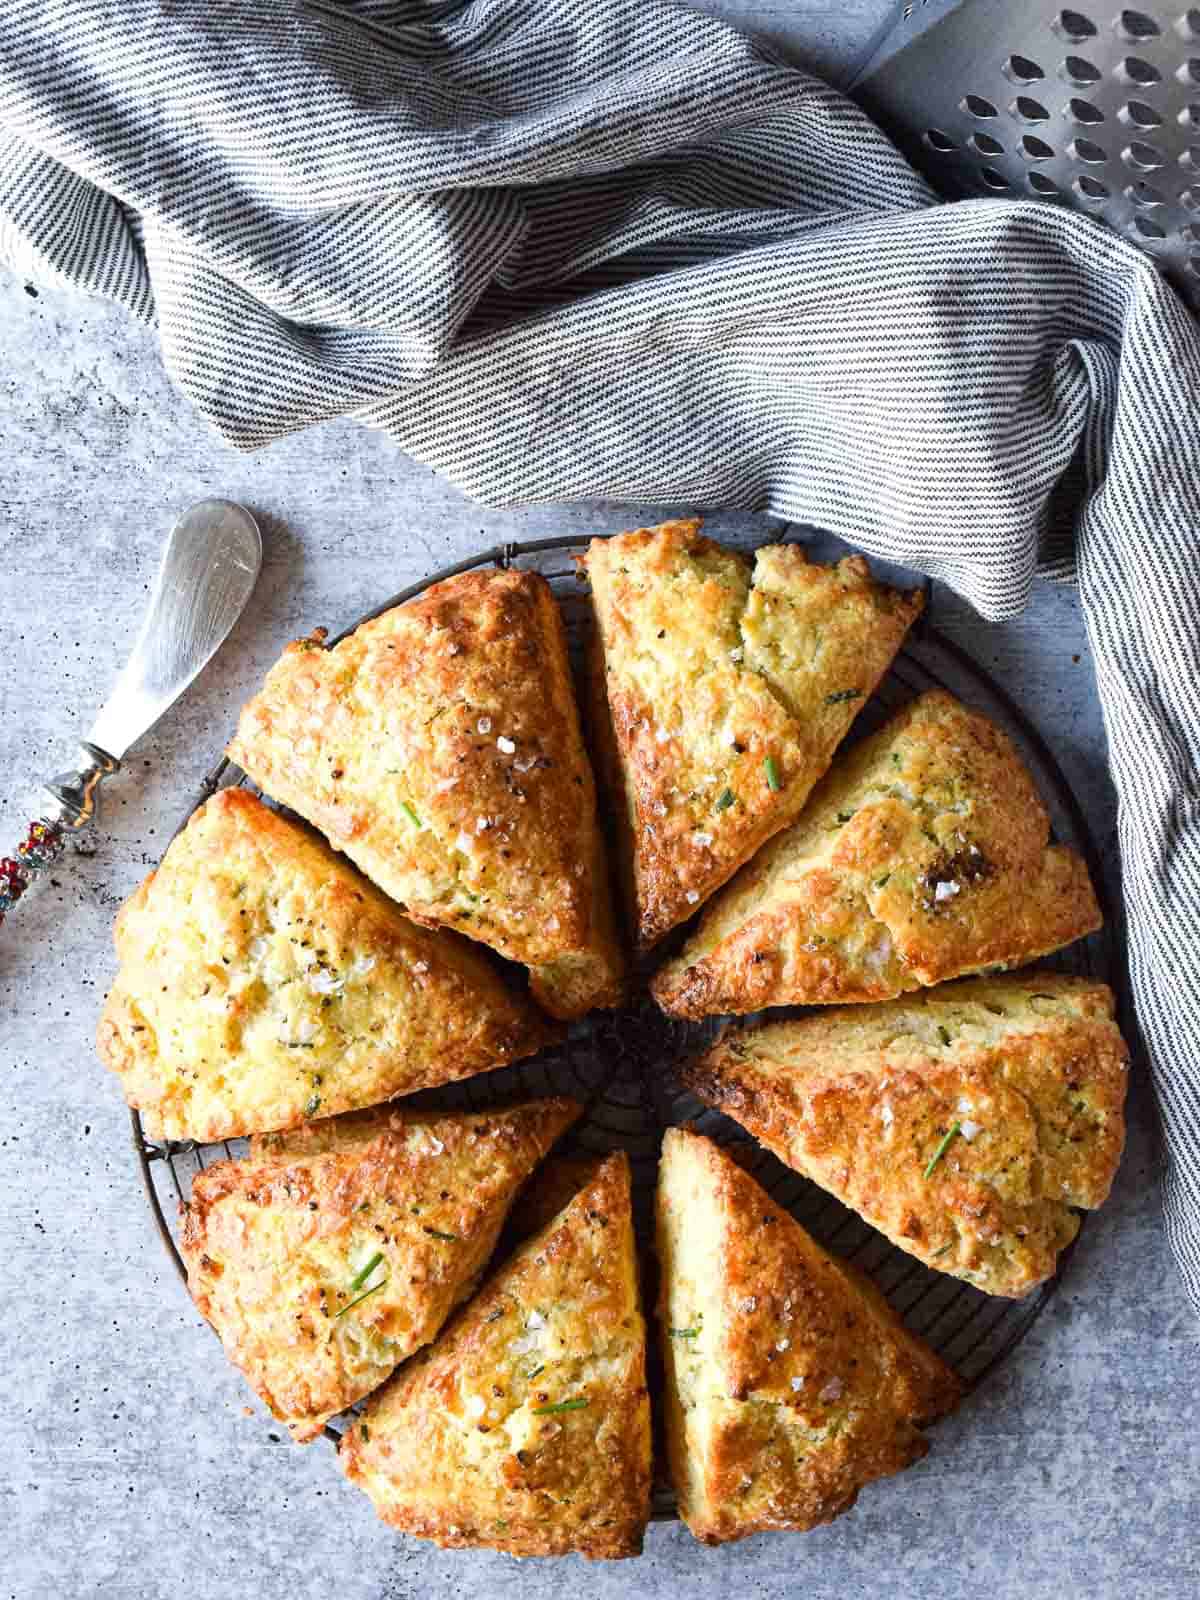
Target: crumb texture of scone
790,1382
439,746
967,1123
922,856
263,982
727,684
335,1251
526,1425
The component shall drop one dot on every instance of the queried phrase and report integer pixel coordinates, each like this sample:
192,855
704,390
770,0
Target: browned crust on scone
276,1246
727,687
791,1383
550,1190
454,1448
264,982
924,855
965,1122
439,746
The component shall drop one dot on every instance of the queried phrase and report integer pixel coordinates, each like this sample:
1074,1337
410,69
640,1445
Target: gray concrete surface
132,1465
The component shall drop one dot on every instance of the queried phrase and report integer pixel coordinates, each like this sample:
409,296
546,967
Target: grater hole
1034,149
1074,27
1136,69
1090,189
1189,72
1135,25
1189,24
985,144
1029,110
1041,184
1189,117
976,106
1146,228
1077,70
1085,150
1145,156
992,178
939,140
1191,158
1022,70
1144,195
1190,200
1084,111
1190,233
1140,115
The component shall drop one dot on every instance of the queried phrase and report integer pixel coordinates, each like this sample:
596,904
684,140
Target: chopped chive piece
360,1299
841,695
410,813
366,1272
435,1233
530,1376
312,1105
560,1405
684,1333
942,1251
942,1148
772,772
724,800
366,1433
944,1035
880,882
844,816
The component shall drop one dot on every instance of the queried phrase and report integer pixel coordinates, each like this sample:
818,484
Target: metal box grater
1096,108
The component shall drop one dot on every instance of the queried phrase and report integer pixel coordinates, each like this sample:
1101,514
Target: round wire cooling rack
620,1064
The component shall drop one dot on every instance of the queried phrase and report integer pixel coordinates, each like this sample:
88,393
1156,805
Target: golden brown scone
334,1252
964,1122
526,1425
439,746
727,687
550,1190
790,1382
263,982
923,855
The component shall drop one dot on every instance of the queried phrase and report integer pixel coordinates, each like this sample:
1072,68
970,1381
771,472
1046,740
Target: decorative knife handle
74,794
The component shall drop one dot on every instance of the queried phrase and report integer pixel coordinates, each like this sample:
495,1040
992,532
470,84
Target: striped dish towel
613,250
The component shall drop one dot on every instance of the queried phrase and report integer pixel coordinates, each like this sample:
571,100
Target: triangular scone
439,746
790,1382
526,1425
965,1123
727,686
922,856
334,1252
551,1189
263,982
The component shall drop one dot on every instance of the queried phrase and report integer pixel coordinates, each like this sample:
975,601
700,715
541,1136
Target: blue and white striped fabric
603,249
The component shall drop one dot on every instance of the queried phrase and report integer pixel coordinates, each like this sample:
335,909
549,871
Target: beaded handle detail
37,852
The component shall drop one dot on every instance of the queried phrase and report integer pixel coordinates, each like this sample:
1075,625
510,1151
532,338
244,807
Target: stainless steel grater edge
1095,107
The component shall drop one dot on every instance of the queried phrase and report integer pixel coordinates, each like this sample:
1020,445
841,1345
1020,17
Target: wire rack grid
620,1064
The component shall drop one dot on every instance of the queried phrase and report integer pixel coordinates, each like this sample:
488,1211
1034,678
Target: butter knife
207,574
